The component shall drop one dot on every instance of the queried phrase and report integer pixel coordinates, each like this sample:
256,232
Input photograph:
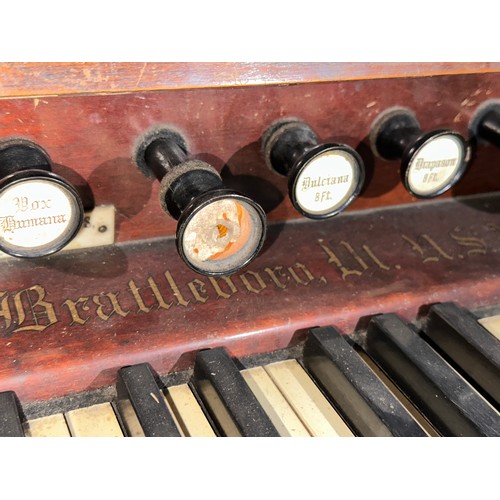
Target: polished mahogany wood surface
68,322
41,79
92,138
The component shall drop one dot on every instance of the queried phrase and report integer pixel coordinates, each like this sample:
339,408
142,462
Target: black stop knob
323,179
219,230
40,212
485,124
431,162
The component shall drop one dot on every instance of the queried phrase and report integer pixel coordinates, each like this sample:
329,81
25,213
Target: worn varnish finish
91,138
69,322
39,79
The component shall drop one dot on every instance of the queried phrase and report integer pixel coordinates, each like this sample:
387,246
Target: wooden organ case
75,324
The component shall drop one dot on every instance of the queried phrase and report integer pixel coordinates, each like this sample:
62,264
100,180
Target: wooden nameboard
68,322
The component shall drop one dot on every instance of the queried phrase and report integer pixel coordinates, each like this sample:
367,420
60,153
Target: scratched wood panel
58,78
91,138
69,322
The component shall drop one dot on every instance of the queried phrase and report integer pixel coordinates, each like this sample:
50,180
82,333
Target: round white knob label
435,165
326,182
34,213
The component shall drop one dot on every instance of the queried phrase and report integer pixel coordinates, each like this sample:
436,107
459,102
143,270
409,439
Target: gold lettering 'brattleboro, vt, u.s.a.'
30,310
329,265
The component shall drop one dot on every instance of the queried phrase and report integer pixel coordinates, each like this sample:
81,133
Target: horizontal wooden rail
35,79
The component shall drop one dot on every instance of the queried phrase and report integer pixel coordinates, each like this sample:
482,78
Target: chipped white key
316,413
51,426
275,405
94,421
187,413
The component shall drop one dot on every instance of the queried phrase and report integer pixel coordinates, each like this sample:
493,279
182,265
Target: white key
316,413
51,426
94,421
275,405
492,324
187,413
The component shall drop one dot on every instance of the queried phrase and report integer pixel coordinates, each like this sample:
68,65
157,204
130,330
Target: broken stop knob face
219,230
222,232
40,212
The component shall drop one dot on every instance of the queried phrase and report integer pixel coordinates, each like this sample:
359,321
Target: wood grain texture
92,138
43,79
69,322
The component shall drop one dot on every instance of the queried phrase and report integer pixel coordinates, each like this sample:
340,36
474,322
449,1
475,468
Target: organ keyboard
379,317
330,385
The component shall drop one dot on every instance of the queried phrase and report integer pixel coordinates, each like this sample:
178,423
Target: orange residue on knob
245,228
222,230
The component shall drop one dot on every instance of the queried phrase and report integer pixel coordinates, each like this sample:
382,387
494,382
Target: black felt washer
276,131
383,124
21,154
175,175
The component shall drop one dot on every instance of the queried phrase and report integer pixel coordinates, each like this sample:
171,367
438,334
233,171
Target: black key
468,345
354,389
445,398
10,419
227,397
141,405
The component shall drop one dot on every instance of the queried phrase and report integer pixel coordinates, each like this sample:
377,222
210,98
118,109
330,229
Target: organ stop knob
485,123
323,179
431,162
219,230
40,212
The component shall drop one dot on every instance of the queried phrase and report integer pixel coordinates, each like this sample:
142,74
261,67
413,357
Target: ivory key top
51,426
316,413
187,412
274,403
94,421
492,324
